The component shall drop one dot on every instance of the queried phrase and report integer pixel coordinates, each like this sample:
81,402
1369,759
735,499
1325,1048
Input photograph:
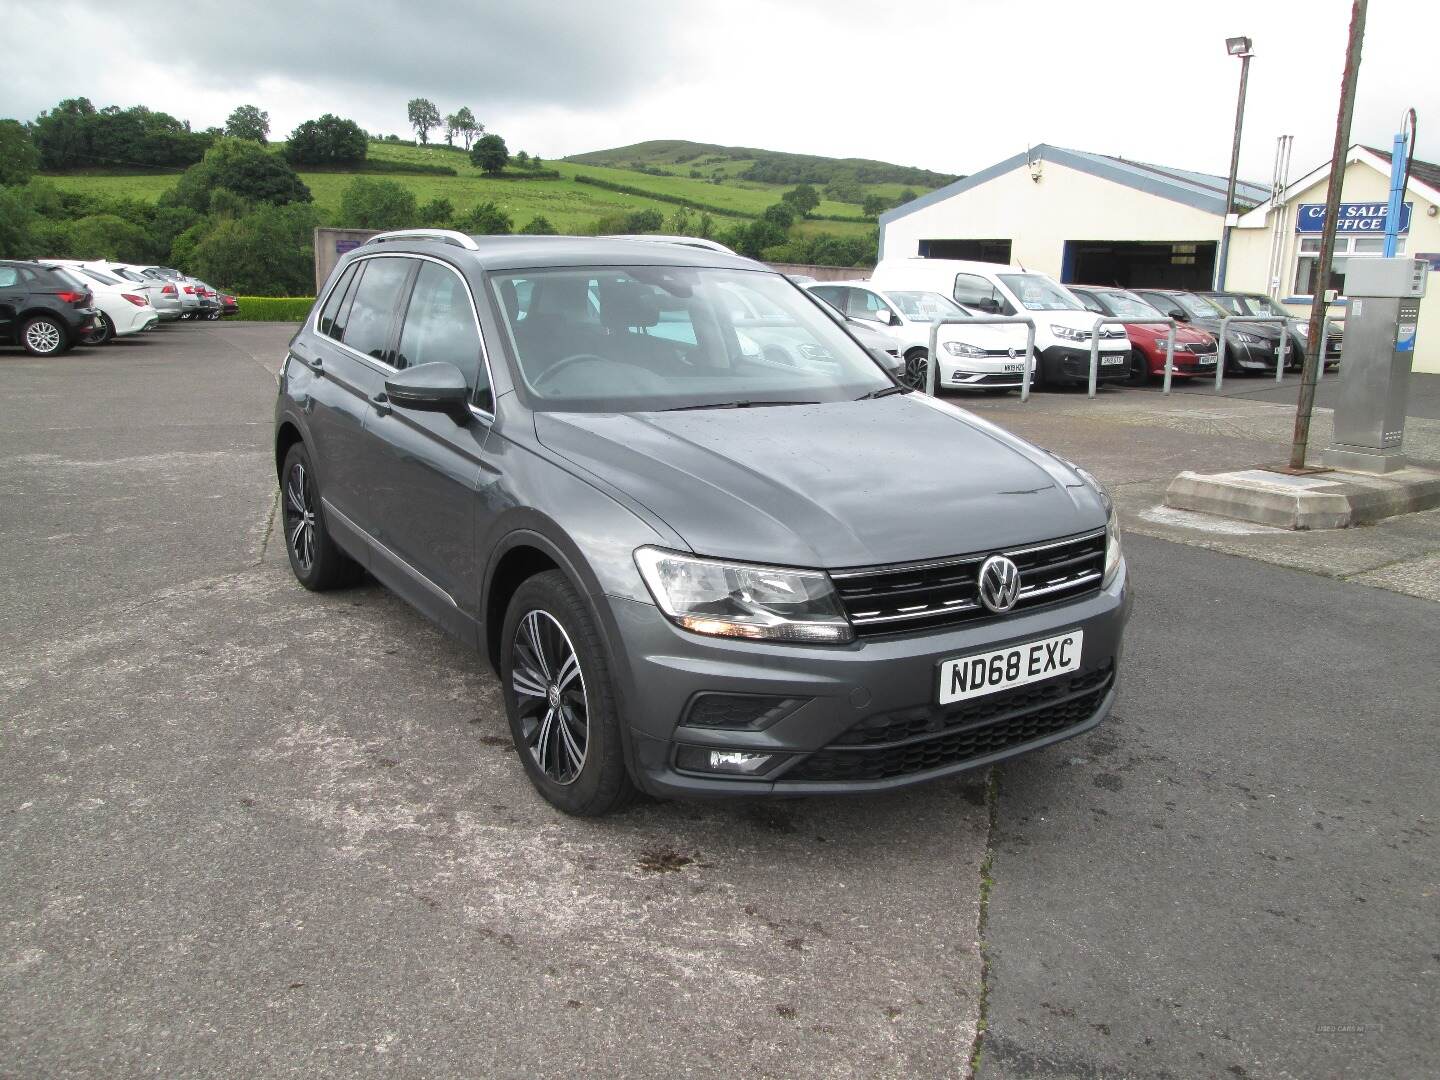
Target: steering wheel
569,361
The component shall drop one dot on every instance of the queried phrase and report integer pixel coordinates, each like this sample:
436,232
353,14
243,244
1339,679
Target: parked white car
981,357
1062,325
124,310
164,296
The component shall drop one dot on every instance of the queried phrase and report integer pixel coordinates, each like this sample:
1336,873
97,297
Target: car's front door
427,484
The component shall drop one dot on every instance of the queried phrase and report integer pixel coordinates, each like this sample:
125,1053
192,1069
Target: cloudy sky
952,85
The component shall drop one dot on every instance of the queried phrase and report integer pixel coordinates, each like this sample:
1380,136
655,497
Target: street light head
1239,46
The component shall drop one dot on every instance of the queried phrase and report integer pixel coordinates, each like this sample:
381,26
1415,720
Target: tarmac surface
247,830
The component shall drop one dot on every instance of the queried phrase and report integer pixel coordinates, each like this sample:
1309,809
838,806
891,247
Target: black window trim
396,329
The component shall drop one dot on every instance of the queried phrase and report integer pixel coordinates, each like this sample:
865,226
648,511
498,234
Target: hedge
381,165
273,308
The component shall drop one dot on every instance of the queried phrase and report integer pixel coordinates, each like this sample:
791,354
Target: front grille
914,743
1200,348
1009,378
928,595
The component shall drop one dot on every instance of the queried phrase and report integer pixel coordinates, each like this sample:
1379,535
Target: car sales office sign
1354,217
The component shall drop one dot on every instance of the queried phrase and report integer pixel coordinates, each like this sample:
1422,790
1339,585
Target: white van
1062,325
982,357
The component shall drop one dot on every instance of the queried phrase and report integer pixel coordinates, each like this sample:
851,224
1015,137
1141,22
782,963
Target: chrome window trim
379,366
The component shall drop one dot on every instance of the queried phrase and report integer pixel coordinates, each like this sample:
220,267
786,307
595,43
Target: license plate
1014,369
1203,360
1119,358
986,673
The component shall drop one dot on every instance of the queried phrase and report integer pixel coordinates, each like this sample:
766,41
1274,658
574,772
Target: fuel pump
1380,330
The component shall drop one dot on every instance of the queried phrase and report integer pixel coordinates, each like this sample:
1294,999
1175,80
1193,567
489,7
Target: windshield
926,306
1263,305
643,338
104,279
1197,307
1040,294
69,278
1232,304
1128,305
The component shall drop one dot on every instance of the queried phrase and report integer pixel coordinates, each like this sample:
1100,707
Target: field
568,205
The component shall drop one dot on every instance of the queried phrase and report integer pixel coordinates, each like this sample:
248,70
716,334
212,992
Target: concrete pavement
249,830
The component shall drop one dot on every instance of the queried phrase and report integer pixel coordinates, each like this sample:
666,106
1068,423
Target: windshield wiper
885,391
735,405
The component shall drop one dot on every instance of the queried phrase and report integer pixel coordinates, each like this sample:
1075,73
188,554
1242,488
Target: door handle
381,402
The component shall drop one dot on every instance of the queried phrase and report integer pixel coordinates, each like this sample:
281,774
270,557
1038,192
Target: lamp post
1241,47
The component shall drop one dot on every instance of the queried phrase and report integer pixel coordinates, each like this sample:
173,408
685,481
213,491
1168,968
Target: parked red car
1194,348
228,305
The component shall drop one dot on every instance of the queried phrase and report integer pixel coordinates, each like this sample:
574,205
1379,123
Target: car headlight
1112,548
1069,333
741,600
960,348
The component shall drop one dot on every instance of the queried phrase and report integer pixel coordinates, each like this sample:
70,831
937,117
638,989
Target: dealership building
1094,219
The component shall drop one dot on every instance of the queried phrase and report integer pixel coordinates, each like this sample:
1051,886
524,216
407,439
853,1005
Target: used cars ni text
697,569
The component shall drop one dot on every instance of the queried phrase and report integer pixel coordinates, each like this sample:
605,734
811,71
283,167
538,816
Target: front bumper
1060,364
1186,362
887,684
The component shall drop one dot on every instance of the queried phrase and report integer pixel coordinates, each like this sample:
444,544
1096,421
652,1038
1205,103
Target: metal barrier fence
1095,346
932,364
1281,356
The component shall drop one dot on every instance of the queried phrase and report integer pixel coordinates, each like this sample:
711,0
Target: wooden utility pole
1315,343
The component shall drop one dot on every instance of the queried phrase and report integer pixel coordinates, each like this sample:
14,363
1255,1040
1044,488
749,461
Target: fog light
730,762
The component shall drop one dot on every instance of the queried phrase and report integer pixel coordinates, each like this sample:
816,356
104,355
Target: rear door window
8,276
328,315
371,320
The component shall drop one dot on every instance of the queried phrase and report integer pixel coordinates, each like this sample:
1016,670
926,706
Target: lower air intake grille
917,740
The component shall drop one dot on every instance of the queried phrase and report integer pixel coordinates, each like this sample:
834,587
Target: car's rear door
12,296
347,356
429,475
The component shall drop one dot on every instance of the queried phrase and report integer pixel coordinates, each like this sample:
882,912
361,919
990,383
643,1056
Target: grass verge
982,1020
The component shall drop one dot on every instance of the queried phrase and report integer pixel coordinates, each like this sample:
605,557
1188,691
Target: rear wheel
560,699
44,335
103,332
916,369
316,559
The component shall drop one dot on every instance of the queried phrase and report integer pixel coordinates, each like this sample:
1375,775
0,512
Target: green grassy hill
569,205
741,163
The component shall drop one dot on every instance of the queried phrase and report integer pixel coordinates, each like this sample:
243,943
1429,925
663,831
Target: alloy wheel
300,516
43,336
550,697
915,370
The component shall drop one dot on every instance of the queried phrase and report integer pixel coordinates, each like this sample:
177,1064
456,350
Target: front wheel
1139,370
916,369
45,336
104,331
560,700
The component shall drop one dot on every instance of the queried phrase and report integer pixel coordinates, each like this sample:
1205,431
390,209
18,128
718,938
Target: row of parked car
48,306
904,297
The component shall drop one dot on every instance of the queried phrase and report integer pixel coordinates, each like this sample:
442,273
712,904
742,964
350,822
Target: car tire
103,333
917,361
560,699
45,335
315,558
1139,370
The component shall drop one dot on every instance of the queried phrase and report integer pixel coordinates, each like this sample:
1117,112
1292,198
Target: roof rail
670,238
443,236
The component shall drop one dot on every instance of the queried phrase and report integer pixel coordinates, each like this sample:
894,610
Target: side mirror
885,315
1178,315
437,387
989,305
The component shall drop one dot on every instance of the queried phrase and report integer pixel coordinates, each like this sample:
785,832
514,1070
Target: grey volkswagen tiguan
698,567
